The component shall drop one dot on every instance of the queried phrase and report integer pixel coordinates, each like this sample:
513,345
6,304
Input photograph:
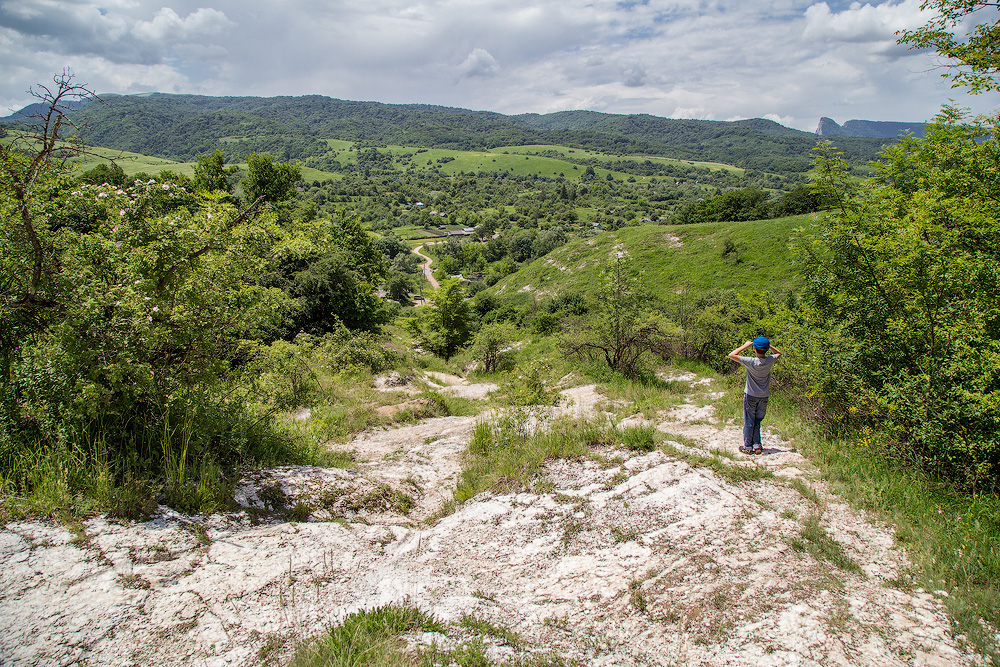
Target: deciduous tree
973,59
444,327
902,278
624,330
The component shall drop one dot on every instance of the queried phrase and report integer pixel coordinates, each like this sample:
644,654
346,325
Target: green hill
675,261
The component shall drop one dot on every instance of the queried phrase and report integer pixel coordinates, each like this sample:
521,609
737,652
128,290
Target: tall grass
508,450
185,461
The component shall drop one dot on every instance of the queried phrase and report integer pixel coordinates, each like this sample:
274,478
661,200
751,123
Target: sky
792,61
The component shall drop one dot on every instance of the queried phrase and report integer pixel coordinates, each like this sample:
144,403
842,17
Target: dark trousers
754,409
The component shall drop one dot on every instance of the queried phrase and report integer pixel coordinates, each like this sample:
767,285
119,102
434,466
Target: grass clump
510,450
484,627
374,638
822,546
639,438
367,639
730,471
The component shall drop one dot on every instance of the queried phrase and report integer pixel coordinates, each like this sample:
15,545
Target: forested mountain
179,127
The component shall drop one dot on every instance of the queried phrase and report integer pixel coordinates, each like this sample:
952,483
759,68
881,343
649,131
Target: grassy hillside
674,260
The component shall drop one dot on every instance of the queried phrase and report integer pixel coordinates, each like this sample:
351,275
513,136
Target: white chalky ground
633,558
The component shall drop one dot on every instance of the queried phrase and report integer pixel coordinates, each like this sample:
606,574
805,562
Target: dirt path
426,267
625,558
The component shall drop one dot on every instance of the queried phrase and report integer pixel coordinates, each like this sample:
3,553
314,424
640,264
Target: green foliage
745,204
109,173
491,346
129,319
901,283
182,126
211,174
267,180
444,327
975,60
331,270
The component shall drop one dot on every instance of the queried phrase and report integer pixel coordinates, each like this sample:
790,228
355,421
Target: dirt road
426,267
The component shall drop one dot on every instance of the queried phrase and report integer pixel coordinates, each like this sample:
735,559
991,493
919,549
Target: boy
757,389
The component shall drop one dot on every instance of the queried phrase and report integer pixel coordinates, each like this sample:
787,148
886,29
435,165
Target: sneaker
746,450
758,449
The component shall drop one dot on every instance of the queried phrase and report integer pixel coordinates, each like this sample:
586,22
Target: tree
444,327
492,345
109,173
212,175
398,287
28,165
269,181
623,332
974,60
329,290
902,278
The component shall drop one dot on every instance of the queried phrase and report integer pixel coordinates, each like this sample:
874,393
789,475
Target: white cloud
863,23
167,25
479,63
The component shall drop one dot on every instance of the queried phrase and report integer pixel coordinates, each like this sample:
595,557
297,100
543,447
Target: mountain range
180,127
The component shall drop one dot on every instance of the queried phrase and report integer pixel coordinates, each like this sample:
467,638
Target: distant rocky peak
828,126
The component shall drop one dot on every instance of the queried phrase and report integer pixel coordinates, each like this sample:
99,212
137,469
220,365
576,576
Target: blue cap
762,343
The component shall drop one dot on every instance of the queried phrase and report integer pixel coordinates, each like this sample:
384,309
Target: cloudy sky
789,60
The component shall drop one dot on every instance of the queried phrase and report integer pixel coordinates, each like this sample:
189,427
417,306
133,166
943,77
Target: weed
508,452
366,638
636,597
732,472
269,651
273,497
723,453
683,440
383,498
805,491
299,512
572,528
624,535
561,622
199,533
484,627
823,547
594,434
639,438
133,581
617,479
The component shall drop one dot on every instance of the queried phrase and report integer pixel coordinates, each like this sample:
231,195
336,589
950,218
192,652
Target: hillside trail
622,558
426,267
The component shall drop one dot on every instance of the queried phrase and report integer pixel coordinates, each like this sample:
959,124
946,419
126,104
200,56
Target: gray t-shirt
758,374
